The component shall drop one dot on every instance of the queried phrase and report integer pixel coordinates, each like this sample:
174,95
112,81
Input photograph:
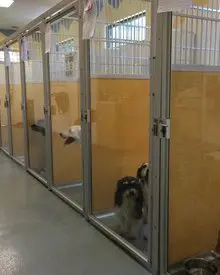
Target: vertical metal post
24,105
152,212
7,83
47,109
85,99
160,88
165,142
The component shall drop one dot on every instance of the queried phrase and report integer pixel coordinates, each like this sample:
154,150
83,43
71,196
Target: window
14,56
66,46
132,28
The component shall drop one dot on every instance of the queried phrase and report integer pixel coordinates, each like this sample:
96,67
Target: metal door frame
24,84
52,187
154,153
7,93
47,107
163,72
21,106
24,105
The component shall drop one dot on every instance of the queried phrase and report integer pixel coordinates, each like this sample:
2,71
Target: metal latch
164,128
45,110
85,116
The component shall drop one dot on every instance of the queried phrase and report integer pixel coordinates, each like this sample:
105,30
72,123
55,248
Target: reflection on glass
65,101
35,103
16,100
120,53
4,110
194,183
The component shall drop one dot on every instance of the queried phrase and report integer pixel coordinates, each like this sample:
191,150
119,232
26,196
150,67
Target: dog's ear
69,140
118,197
119,193
139,172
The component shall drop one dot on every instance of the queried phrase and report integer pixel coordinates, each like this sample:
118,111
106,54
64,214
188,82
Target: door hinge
164,128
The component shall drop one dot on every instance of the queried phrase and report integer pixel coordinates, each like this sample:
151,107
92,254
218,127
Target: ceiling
22,12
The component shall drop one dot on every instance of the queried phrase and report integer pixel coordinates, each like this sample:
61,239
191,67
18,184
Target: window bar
201,34
211,35
206,43
192,42
133,52
181,39
106,56
175,41
186,41
139,56
216,36
120,48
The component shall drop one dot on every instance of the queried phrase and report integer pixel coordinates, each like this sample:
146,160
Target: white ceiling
22,12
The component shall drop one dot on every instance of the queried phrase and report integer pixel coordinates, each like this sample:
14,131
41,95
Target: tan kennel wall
194,187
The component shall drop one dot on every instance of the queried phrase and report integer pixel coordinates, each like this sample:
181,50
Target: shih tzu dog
72,135
143,176
129,202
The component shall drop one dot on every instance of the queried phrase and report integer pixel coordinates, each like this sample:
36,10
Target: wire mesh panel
65,102
64,58
196,36
121,45
35,103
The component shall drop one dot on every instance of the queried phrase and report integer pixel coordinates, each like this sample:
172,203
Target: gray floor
40,235
74,193
111,222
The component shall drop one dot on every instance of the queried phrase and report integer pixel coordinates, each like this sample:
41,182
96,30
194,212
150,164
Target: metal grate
121,44
34,65
64,56
14,66
196,35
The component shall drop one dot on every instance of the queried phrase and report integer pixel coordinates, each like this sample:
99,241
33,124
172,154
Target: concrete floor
41,235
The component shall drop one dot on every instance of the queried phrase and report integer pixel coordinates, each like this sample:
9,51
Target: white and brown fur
143,176
129,202
72,135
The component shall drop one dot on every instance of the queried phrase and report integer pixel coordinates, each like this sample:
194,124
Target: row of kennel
127,118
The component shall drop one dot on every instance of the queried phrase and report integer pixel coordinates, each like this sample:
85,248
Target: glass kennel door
17,124
193,165
65,109
4,106
35,105
120,96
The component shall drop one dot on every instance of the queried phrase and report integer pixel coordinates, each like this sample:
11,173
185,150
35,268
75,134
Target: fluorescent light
6,3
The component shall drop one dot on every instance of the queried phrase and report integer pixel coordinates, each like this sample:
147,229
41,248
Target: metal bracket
161,128
164,128
45,110
86,116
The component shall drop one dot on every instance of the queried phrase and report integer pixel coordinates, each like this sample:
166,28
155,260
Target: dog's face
130,194
72,135
143,172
